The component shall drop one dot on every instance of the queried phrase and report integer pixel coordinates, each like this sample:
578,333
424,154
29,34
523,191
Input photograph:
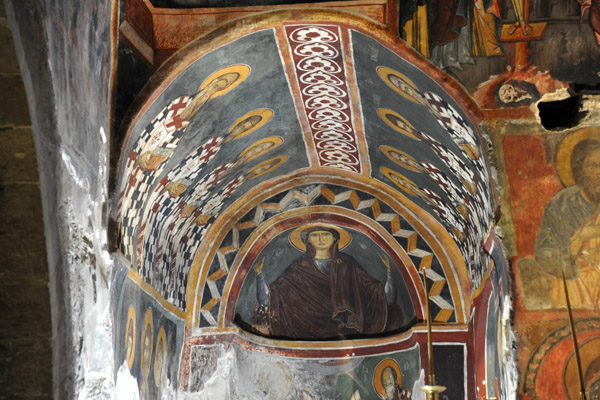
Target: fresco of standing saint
325,293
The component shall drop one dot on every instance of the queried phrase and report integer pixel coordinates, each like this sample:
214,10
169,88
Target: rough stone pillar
25,332
64,56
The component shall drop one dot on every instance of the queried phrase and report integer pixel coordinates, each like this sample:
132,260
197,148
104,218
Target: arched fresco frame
423,224
441,245
554,357
435,235
339,216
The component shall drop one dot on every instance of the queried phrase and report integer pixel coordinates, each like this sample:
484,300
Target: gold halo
385,72
162,338
145,364
392,175
564,152
296,235
384,115
276,140
241,69
388,362
387,150
276,162
265,115
130,320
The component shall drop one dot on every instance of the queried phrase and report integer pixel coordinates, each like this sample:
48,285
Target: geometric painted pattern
473,195
145,162
318,58
416,247
170,239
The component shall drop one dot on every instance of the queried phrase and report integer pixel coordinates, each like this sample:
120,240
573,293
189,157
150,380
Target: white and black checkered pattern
455,194
164,132
479,205
458,128
132,216
450,119
161,204
446,214
179,237
467,245
459,195
186,239
451,160
156,134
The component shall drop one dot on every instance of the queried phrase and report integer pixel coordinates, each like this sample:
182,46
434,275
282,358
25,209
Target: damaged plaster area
90,267
508,346
240,374
567,109
67,83
215,377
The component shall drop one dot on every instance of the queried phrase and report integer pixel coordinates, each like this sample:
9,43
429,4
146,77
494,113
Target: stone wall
64,52
25,334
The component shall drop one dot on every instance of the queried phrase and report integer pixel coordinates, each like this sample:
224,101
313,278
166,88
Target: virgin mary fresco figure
325,293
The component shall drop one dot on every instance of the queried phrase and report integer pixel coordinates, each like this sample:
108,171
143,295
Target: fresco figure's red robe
445,21
305,303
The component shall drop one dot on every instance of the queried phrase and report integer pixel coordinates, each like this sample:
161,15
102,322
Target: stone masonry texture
25,330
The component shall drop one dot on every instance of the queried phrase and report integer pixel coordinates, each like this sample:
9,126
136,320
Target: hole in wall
561,113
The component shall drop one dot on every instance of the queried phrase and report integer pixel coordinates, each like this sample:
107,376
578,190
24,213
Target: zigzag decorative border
442,304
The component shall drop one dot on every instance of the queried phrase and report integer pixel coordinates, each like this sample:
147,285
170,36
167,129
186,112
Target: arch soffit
442,243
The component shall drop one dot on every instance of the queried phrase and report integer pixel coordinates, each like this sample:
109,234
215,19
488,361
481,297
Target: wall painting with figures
554,197
286,196
322,281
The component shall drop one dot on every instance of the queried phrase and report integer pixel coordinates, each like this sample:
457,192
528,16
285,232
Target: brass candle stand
575,345
432,390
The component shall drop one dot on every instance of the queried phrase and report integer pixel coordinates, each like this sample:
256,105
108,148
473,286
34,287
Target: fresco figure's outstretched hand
390,287
258,267
262,289
386,262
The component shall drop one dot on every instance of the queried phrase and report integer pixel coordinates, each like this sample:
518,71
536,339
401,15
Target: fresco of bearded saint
569,236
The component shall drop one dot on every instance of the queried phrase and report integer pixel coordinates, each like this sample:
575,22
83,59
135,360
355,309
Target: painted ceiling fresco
507,54
293,189
177,180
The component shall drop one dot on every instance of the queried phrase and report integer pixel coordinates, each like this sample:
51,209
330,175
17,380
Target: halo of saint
387,381
130,337
147,344
398,123
564,152
160,357
399,83
297,241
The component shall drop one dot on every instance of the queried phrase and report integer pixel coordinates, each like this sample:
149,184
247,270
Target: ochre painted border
294,218
244,26
442,245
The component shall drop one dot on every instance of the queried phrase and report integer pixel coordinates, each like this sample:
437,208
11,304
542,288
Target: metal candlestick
574,336
432,390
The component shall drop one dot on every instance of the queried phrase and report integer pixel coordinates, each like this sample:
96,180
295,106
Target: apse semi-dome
286,184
